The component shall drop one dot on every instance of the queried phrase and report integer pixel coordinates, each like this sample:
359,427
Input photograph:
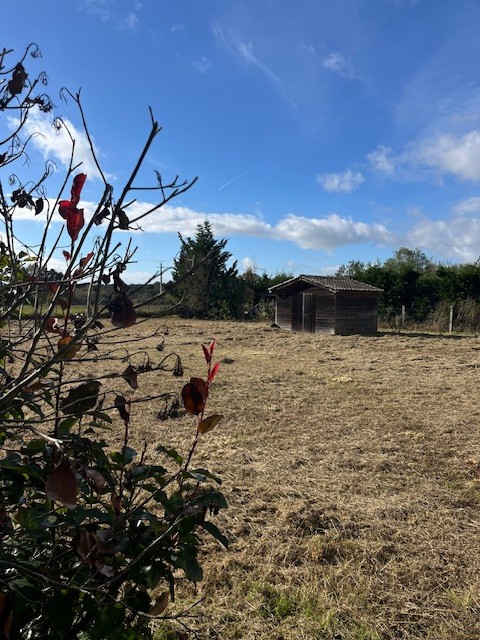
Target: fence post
450,324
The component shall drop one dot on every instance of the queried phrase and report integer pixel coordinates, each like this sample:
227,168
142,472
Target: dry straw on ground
351,469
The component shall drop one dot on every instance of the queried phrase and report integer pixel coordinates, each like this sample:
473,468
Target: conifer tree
212,289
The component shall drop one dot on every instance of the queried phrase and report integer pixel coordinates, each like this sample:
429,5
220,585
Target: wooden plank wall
325,313
356,313
343,314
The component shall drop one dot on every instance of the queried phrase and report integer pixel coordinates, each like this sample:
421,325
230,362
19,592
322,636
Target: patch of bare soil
351,467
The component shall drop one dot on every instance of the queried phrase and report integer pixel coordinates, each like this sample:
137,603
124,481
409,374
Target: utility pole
161,276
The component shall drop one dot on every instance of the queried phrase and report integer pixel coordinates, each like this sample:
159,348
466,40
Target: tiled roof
330,283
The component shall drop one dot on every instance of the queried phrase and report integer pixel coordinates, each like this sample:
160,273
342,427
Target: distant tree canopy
410,278
255,287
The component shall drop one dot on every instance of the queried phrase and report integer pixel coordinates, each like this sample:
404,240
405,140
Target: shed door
309,312
297,312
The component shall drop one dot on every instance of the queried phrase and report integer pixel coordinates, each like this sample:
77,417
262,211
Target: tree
212,290
89,527
256,303
413,259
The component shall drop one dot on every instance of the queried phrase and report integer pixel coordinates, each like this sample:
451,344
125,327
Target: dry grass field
351,466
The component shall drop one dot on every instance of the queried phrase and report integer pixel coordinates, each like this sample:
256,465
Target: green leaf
108,619
128,455
100,415
36,445
61,613
216,533
171,453
187,560
214,500
82,398
149,471
201,475
30,470
116,456
67,424
152,574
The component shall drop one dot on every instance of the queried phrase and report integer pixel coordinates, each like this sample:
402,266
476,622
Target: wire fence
462,316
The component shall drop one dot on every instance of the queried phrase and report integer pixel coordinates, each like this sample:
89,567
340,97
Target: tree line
423,287
409,279
205,283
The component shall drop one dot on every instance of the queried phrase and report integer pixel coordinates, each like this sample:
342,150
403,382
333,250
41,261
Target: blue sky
321,131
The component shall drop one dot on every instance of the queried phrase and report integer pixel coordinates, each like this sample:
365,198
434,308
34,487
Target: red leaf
213,372
77,187
66,255
63,207
160,605
211,347
123,314
84,261
192,399
95,478
68,208
61,486
82,264
116,503
130,376
121,403
206,353
71,351
52,325
209,423
201,386
123,220
63,304
75,222
194,396
53,286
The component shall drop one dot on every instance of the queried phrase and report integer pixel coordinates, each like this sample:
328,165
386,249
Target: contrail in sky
233,179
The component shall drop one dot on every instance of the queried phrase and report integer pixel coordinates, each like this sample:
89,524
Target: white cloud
220,37
346,182
203,64
457,239
470,206
432,158
307,233
99,8
249,264
329,232
448,153
108,12
338,64
184,220
179,26
381,159
245,50
132,21
55,144
309,48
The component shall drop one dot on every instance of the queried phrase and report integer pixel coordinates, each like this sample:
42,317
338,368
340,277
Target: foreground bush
92,532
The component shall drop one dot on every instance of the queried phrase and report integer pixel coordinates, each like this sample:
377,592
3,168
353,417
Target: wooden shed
324,304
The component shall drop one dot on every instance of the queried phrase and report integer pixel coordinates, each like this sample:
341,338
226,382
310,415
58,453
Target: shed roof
329,283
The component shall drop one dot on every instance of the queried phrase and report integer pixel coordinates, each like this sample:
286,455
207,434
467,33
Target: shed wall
317,311
356,314
325,312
